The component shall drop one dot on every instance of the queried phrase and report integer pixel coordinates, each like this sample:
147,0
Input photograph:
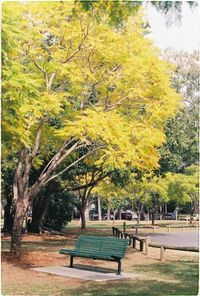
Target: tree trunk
83,220
114,214
120,214
194,207
23,193
99,208
87,213
153,218
138,218
108,214
21,207
161,213
22,202
138,207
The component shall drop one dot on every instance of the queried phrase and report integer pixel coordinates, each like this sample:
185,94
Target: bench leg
119,267
71,261
141,246
134,242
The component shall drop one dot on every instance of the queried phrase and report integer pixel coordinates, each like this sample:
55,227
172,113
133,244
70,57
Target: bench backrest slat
102,245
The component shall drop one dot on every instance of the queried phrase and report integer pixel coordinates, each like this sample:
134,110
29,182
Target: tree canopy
71,83
76,86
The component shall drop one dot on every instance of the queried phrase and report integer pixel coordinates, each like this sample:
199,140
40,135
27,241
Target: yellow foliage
104,85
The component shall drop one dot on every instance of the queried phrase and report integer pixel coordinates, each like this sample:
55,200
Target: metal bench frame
119,247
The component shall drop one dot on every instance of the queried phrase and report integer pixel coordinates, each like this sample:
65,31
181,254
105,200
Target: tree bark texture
83,219
138,218
21,207
153,218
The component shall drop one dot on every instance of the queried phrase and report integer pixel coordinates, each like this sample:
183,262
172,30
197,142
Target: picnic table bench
98,247
145,227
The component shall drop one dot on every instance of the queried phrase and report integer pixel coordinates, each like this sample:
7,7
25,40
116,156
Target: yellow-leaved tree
74,85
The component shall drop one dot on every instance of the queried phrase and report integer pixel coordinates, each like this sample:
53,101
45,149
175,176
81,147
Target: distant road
179,239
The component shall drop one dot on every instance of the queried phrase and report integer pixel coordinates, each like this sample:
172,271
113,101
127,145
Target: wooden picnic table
145,227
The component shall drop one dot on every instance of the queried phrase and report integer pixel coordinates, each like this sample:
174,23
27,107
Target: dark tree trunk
153,218
83,202
40,206
9,213
21,207
9,207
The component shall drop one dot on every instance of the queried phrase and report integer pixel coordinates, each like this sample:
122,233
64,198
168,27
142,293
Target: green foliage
149,191
118,11
59,211
181,147
184,188
120,177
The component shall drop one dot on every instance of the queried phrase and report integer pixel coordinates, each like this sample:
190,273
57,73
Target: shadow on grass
179,278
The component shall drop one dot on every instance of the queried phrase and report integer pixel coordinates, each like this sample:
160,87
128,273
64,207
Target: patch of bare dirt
34,258
40,237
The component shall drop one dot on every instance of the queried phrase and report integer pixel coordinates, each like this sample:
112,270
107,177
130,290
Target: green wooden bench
98,247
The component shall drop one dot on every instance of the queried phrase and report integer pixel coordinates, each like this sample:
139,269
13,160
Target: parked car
169,216
134,216
105,217
94,216
126,216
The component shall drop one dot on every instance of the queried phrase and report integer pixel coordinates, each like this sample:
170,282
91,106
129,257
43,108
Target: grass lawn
178,276
104,227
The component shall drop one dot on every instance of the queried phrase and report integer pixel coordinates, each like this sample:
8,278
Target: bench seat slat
89,254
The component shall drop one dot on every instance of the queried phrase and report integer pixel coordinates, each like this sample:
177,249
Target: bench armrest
66,251
116,257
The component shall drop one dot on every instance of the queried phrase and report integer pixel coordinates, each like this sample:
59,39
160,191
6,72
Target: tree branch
91,183
60,151
79,46
34,152
50,81
18,180
40,68
69,166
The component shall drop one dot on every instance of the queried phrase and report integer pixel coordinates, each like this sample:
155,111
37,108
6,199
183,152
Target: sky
184,35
